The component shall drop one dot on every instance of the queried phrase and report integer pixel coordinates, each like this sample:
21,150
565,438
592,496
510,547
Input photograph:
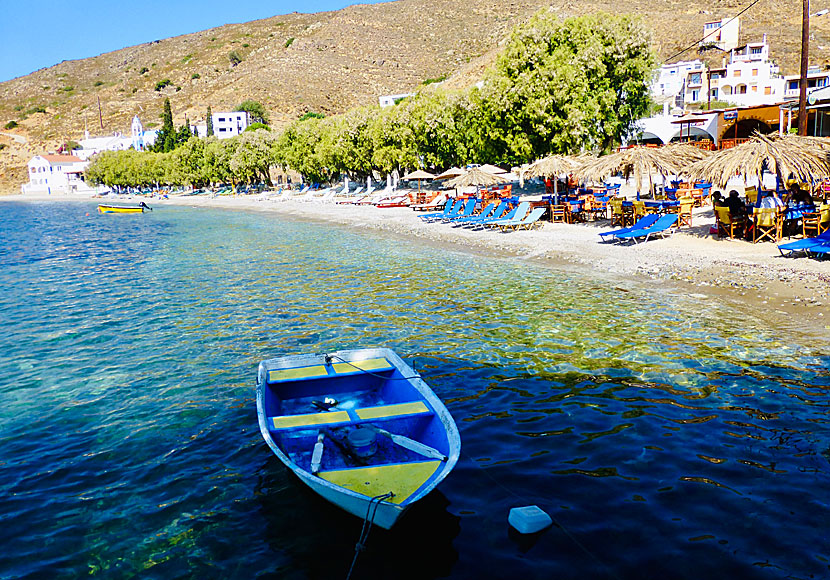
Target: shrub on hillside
163,83
234,58
11,125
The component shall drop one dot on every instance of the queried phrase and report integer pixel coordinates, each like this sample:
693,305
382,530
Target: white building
54,174
226,125
670,80
816,79
139,140
751,78
724,33
390,100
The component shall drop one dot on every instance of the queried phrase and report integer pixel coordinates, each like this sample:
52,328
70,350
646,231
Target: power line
691,46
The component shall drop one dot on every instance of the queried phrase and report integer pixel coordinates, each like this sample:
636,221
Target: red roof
53,159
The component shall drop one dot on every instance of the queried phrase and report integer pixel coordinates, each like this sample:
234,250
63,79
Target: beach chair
486,213
466,210
497,213
804,245
449,209
684,211
728,226
644,222
526,222
665,225
558,213
767,224
520,211
815,223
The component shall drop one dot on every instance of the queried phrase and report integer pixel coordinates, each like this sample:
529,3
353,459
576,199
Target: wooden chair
751,194
558,213
638,211
618,216
768,224
684,211
816,222
728,226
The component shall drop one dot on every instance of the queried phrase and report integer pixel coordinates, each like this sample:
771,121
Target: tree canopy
559,86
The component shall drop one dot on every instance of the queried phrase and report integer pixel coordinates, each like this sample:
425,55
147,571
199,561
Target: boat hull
418,441
120,209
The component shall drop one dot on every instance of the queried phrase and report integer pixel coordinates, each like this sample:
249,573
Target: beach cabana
450,173
552,166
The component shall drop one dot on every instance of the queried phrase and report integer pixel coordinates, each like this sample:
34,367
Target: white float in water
529,519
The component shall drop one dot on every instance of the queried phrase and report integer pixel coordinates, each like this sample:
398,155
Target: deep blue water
668,435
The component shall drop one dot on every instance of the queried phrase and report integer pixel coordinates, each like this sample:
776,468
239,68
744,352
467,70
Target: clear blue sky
42,33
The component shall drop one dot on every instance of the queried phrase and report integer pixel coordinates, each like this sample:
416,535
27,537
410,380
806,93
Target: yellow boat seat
360,415
374,365
402,479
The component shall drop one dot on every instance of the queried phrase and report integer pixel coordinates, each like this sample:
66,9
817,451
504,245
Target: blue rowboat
359,427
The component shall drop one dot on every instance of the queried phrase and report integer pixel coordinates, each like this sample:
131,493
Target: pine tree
209,122
167,117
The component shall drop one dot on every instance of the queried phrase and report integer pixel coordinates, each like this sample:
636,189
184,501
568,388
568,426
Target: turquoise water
668,435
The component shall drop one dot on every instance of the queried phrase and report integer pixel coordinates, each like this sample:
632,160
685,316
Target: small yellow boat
123,208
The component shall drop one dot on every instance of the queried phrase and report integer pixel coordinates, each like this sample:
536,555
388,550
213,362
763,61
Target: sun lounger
527,222
498,212
665,225
449,208
436,202
644,222
805,245
466,210
518,212
486,213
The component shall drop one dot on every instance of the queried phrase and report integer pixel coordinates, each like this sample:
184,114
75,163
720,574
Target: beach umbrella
418,175
476,177
492,169
805,158
636,162
450,173
553,166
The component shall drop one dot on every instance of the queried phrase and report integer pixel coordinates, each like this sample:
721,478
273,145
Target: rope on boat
330,357
570,536
367,527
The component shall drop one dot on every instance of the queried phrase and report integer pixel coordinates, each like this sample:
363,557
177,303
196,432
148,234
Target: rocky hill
329,62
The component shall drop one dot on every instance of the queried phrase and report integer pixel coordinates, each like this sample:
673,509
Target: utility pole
805,57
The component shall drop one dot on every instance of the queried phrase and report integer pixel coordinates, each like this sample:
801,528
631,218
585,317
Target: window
220,119
222,129
694,78
736,73
754,88
793,85
767,90
695,95
756,50
740,89
755,72
33,169
822,82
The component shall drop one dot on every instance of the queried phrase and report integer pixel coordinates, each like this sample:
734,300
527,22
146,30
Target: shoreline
795,291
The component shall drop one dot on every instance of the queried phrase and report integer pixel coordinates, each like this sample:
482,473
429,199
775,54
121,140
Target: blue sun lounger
497,213
805,245
466,210
520,211
665,224
527,222
437,215
486,213
644,222
820,249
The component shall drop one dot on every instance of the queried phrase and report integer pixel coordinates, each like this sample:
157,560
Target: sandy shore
746,273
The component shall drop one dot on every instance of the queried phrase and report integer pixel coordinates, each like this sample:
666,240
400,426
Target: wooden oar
411,444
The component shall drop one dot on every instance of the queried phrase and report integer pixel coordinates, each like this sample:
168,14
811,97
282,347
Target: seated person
798,197
717,199
771,200
737,207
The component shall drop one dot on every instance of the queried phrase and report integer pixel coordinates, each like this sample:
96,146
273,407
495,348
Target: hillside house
723,34
56,174
392,100
226,125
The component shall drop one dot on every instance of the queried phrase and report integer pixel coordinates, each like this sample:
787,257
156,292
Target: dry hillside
330,61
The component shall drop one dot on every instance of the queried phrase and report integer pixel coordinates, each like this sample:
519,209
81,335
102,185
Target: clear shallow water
667,435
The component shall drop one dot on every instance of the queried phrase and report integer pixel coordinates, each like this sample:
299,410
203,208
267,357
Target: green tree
255,111
209,122
564,86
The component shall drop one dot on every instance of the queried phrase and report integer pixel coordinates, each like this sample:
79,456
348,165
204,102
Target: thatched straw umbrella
477,177
450,173
634,161
806,158
420,175
553,166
